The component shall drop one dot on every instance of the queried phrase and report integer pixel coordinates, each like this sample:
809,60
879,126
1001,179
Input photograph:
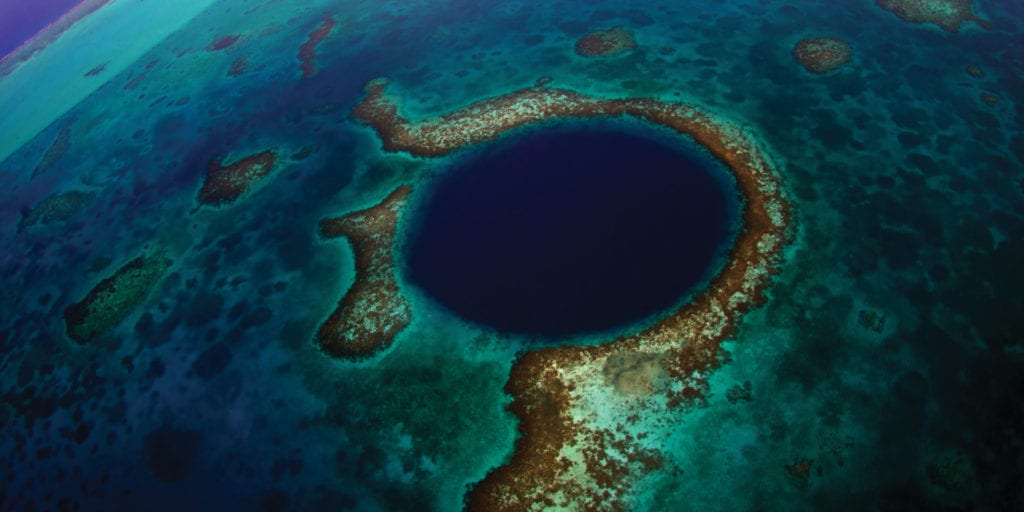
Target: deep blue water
22,19
560,232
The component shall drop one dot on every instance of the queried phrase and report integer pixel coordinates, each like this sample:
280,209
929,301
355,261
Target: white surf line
52,82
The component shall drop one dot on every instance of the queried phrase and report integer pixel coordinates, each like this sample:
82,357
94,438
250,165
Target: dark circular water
558,232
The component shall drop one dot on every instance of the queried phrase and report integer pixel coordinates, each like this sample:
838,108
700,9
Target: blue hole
560,232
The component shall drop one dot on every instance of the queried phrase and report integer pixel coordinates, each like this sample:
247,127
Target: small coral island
948,14
225,183
373,310
114,298
822,54
605,43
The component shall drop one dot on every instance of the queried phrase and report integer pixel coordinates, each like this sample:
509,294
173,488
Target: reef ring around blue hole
571,229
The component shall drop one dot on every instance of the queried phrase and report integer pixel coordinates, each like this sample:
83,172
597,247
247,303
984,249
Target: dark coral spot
170,453
82,432
204,309
924,164
155,369
911,140
275,500
258,316
212,361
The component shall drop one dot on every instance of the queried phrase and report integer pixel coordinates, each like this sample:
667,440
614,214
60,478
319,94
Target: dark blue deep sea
22,19
884,370
543,236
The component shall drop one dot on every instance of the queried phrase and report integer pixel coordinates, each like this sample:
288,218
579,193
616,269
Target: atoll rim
546,384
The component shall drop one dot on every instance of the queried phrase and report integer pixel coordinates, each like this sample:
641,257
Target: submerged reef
57,149
238,66
822,54
223,43
114,298
225,183
373,309
948,14
307,52
605,43
55,208
567,455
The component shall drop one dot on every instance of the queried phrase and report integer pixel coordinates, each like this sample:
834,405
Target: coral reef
800,472
238,66
225,183
739,393
948,14
57,207
822,54
307,52
566,455
871,320
137,79
605,43
373,309
57,149
114,298
222,43
951,471
96,70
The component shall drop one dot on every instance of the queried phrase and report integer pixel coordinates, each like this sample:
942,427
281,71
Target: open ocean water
163,347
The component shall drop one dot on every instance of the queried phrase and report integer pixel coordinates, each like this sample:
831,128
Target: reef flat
372,311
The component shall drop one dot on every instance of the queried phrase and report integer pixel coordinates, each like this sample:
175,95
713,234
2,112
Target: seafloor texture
182,331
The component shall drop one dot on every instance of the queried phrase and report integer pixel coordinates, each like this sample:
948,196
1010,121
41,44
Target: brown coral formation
871,320
114,298
373,310
800,471
225,183
605,43
569,455
822,54
223,43
948,14
307,52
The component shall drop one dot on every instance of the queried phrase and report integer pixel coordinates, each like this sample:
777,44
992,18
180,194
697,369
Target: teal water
889,356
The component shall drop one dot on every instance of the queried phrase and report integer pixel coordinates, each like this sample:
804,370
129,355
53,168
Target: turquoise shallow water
883,372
